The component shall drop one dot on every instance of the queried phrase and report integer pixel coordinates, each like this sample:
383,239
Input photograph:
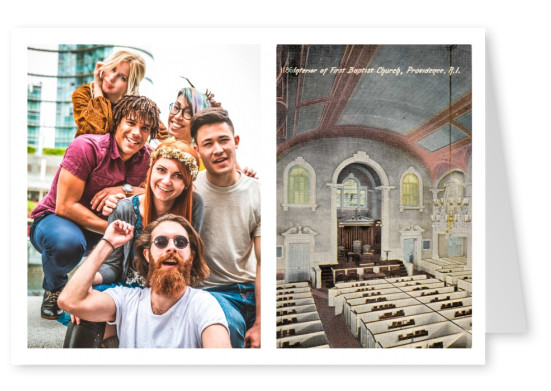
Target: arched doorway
359,206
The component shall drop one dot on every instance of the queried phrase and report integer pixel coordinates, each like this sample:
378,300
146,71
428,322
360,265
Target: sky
231,72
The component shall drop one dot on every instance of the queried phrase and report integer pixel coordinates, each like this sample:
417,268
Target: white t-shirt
231,221
180,327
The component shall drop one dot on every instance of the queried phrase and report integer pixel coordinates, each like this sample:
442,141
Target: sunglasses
180,242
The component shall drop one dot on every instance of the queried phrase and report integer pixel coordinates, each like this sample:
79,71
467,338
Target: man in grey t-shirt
231,226
168,313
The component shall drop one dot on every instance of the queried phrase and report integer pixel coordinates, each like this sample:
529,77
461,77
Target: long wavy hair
183,203
137,68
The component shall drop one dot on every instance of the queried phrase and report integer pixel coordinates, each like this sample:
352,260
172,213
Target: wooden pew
294,296
441,273
285,291
311,340
451,278
406,285
353,304
353,321
350,287
425,287
360,293
338,298
431,266
421,294
457,313
465,284
287,285
447,304
459,340
300,309
396,280
416,334
294,303
298,329
297,318
443,296
368,331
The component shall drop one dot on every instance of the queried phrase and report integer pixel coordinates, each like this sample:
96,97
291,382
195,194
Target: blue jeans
62,244
239,305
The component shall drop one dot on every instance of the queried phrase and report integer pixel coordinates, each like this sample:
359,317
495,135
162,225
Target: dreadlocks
139,107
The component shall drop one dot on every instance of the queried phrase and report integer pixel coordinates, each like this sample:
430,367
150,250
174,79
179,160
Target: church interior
374,196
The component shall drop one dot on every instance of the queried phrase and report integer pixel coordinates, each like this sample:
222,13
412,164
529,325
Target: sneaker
49,308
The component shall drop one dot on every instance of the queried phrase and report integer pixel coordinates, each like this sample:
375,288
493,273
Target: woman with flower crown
169,189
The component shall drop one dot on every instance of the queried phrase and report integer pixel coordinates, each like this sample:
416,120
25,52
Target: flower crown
173,153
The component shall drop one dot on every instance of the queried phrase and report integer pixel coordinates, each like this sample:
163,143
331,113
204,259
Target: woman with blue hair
189,102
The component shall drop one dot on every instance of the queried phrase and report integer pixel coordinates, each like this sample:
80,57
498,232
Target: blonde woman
119,75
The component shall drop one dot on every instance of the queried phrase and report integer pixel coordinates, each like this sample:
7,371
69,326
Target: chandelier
452,208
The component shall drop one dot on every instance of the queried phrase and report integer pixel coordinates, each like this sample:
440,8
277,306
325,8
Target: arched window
350,193
298,188
299,185
411,191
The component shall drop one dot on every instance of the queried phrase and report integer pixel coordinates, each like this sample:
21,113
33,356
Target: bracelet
111,244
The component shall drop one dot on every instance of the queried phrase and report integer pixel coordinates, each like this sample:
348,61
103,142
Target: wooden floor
337,333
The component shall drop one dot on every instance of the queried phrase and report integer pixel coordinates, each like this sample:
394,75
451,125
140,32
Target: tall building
53,74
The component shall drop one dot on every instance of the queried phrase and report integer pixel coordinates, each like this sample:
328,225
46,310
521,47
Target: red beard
169,282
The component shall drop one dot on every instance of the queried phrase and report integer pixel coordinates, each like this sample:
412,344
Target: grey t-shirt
180,327
231,221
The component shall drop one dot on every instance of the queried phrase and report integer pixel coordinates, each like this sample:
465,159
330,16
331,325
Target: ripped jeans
239,305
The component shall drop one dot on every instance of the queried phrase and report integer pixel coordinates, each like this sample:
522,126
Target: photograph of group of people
156,217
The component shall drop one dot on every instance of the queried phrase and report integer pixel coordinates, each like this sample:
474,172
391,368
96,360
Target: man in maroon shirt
68,221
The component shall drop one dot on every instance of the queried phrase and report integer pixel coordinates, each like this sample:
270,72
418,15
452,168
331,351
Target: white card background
518,87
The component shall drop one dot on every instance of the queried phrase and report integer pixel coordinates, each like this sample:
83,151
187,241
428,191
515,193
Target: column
385,217
334,222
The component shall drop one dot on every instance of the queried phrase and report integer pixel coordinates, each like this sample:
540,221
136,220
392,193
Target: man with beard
167,313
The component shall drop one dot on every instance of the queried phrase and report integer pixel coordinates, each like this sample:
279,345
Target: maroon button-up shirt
96,160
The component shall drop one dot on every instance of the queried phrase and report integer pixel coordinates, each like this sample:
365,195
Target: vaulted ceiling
395,94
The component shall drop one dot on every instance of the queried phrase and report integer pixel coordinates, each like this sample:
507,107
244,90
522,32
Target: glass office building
53,74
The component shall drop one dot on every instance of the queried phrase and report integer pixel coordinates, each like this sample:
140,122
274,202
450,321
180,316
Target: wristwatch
127,189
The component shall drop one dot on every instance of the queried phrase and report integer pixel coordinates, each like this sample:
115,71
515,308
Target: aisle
336,331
